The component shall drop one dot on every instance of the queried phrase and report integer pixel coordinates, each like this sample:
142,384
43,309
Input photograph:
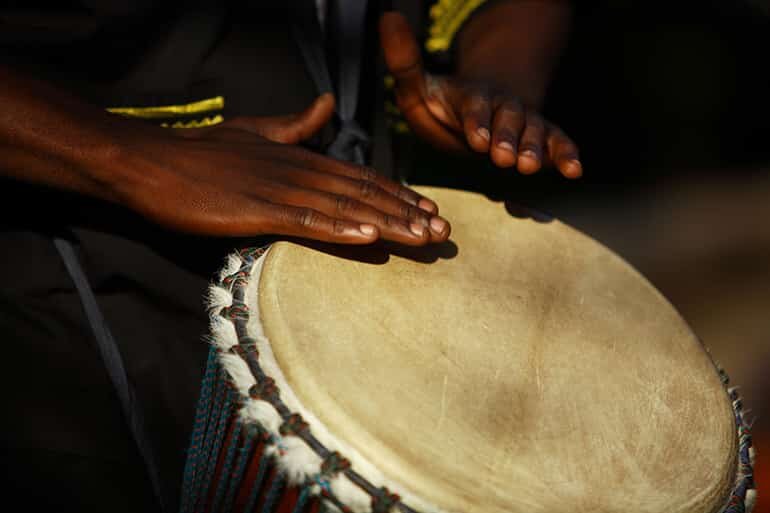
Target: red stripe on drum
251,475
219,479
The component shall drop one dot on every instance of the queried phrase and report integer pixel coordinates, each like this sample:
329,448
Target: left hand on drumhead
457,115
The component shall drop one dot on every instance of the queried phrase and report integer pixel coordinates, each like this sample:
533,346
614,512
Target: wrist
513,45
114,159
52,138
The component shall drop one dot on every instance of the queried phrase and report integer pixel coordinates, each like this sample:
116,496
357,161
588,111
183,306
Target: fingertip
326,98
368,232
571,168
503,154
440,229
478,139
528,163
324,104
428,205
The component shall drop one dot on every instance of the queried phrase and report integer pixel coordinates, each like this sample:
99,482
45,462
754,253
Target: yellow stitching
448,17
168,111
194,123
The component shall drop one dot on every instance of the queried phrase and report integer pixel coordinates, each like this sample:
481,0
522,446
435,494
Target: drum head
533,370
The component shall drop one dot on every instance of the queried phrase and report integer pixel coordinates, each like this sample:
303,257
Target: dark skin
240,178
248,177
505,56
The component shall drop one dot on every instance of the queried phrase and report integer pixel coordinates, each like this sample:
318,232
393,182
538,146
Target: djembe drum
528,370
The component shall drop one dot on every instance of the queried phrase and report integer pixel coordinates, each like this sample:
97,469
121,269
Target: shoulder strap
113,362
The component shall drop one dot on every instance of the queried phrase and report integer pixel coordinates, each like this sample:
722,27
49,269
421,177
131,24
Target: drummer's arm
241,177
514,44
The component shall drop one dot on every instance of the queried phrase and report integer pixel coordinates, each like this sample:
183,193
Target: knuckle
388,220
408,211
306,217
403,193
344,204
507,135
535,122
368,189
338,226
368,174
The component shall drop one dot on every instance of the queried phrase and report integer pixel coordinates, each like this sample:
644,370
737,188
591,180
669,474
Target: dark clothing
64,436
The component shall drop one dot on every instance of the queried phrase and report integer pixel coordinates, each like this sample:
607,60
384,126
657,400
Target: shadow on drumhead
521,212
379,252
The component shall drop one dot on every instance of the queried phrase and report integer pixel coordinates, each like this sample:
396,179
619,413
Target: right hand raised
246,177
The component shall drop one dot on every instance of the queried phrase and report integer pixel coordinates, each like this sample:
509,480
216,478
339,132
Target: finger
339,206
293,128
308,160
402,57
563,152
425,124
530,157
507,126
374,197
436,119
475,112
312,224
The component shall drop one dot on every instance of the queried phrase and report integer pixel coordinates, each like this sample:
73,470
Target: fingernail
483,133
427,205
417,229
438,225
505,145
367,229
576,168
529,153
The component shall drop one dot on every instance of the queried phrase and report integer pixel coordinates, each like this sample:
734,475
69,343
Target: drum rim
303,457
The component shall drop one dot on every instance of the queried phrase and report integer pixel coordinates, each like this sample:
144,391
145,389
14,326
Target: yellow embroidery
447,17
170,111
400,127
215,120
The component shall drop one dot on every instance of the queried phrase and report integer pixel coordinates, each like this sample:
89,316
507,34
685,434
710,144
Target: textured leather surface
533,370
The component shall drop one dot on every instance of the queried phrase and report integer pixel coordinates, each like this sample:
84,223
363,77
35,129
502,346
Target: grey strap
307,33
113,362
348,18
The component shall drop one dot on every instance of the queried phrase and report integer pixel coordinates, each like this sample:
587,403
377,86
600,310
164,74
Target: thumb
293,128
402,57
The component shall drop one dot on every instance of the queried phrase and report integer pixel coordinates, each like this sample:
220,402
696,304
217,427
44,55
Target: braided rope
244,456
213,455
227,468
304,495
276,487
220,391
264,462
195,454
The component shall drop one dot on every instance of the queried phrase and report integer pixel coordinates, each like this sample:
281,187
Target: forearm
50,138
514,43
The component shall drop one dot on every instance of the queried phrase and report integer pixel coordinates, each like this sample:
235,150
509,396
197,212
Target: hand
244,177
458,115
